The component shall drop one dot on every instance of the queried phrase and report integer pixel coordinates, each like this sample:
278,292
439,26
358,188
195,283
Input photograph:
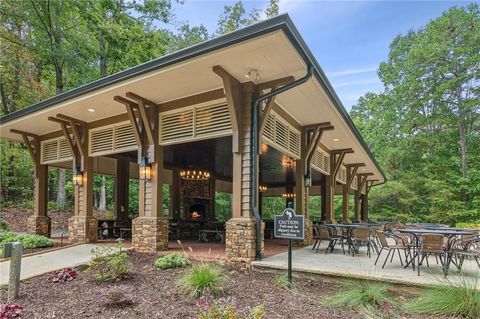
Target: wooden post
15,267
323,199
121,189
345,204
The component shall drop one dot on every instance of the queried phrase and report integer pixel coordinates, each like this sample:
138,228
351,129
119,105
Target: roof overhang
273,47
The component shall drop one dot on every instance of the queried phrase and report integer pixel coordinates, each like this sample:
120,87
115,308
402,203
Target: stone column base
240,241
308,235
40,225
150,234
82,229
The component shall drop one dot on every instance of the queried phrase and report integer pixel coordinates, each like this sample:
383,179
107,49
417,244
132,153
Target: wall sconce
308,181
77,177
262,188
145,170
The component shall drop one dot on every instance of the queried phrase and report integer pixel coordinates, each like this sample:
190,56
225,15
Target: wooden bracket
147,116
233,93
351,172
370,184
137,128
275,83
77,145
336,159
33,146
313,135
362,180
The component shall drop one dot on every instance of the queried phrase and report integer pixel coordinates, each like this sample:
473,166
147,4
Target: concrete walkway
50,261
360,266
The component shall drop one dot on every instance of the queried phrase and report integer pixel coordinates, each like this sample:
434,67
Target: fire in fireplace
197,212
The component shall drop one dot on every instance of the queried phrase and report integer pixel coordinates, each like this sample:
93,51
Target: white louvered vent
55,150
194,123
279,134
321,161
342,175
112,139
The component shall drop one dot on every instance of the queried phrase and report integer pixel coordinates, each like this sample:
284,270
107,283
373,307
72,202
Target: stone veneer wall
240,240
82,229
308,235
40,225
150,234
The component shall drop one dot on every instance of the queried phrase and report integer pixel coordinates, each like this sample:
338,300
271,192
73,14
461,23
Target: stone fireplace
195,201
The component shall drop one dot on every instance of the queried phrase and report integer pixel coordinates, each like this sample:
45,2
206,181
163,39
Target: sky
348,38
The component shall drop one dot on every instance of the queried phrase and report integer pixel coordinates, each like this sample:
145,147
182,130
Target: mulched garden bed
150,293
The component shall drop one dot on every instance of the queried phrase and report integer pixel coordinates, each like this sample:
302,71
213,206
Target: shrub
110,263
3,225
363,296
28,241
225,309
282,281
171,261
200,279
449,299
10,311
63,275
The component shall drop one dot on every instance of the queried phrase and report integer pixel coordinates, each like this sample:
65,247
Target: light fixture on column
145,170
308,180
288,195
77,177
194,175
262,188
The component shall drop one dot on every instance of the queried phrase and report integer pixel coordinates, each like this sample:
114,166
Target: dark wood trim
275,83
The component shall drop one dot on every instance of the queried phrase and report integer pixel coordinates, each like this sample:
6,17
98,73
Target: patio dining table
348,229
450,233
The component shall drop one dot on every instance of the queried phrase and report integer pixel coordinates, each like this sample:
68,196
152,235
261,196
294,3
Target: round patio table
349,228
450,233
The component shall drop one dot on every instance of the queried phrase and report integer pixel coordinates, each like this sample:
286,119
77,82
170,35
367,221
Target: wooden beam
71,119
79,139
266,111
129,105
275,83
370,184
147,126
351,172
342,150
14,131
362,180
137,97
314,141
32,149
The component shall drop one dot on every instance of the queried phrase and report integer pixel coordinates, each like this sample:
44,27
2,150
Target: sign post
290,226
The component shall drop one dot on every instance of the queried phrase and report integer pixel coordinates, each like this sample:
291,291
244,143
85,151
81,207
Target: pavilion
249,113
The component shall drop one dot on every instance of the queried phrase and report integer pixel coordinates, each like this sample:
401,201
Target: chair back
323,232
361,233
432,243
381,237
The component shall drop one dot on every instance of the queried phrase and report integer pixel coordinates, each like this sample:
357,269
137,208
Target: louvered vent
281,135
321,161
342,175
112,139
55,150
195,123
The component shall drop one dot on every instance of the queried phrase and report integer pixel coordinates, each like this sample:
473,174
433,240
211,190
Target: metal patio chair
432,244
361,237
384,245
466,248
324,233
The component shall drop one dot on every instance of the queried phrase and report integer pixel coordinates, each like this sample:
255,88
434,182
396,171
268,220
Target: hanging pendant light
194,175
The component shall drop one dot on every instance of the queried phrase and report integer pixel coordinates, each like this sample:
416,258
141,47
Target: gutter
255,129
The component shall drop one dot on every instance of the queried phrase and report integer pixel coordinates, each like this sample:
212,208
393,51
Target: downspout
255,128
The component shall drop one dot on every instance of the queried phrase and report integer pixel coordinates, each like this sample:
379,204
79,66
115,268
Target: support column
329,193
301,203
323,200
345,204
39,223
121,189
241,228
364,212
150,228
357,217
82,226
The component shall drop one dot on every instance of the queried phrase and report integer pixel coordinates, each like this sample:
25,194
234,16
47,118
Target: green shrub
282,281
200,279
110,263
171,261
225,308
28,241
363,296
3,225
449,299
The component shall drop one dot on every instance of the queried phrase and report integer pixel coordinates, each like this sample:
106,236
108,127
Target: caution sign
289,225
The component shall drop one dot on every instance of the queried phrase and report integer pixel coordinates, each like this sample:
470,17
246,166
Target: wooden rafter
370,184
338,156
78,137
352,170
32,146
266,111
137,97
233,94
137,130
362,180
275,83
146,124
313,140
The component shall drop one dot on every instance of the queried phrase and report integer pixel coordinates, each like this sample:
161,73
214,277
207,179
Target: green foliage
363,296
3,225
449,299
200,279
173,260
223,206
28,241
110,263
424,128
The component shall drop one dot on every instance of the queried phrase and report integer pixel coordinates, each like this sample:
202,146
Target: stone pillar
345,204
121,189
82,226
39,223
241,236
150,228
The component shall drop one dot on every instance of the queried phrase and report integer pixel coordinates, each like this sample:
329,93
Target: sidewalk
42,263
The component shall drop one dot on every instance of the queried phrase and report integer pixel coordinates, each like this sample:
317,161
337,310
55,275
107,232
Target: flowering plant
10,311
63,275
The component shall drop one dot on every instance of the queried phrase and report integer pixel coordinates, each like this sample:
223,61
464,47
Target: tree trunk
61,193
102,201
4,99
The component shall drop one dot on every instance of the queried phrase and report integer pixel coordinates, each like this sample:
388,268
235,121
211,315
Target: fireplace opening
197,212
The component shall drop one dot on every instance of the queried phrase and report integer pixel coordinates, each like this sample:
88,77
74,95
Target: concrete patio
337,264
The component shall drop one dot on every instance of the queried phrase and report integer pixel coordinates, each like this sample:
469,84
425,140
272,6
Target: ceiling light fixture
336,139
91,110
194,175
253,75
